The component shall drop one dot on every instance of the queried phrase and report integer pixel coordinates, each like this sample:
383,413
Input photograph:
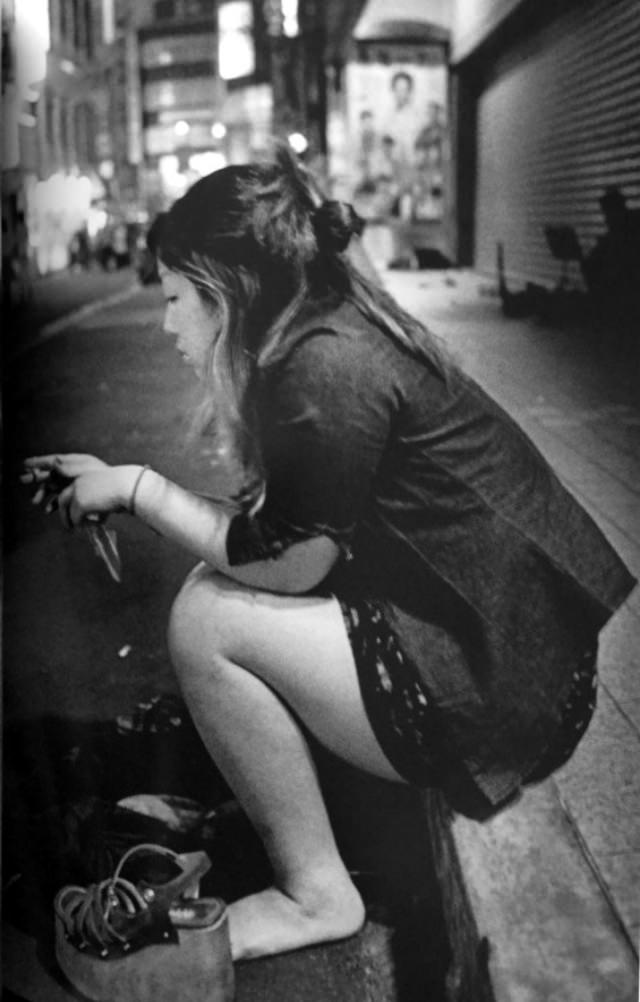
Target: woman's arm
201,527
193,522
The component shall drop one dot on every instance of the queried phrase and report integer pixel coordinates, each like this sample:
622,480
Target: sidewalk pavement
582,408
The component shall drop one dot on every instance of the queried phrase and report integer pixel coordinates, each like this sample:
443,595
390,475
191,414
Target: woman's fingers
39,495
65,499
70,464
41,463
34,476
46,483
70,483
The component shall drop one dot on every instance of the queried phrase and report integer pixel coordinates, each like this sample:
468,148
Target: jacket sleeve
324,419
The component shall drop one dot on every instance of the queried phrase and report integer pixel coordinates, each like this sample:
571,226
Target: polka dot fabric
401,712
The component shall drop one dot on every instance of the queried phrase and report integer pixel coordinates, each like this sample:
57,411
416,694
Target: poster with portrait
398,139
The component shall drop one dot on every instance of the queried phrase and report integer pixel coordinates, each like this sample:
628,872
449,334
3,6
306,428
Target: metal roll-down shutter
558,121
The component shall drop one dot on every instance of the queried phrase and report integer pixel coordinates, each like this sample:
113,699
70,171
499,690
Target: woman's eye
171,299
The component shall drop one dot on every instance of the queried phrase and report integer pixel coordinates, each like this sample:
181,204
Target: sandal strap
193,865
116,912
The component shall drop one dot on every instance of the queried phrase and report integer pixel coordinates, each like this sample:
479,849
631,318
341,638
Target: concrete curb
544,930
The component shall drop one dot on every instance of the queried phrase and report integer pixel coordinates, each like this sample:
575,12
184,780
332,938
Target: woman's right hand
79,486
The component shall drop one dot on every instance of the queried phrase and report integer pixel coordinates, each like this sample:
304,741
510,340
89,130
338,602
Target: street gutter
71,319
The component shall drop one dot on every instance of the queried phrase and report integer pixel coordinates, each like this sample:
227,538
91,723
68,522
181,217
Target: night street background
492,151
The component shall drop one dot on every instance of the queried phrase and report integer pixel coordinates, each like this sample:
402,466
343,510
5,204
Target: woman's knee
195,626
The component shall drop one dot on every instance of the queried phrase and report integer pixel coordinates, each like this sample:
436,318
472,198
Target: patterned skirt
400,710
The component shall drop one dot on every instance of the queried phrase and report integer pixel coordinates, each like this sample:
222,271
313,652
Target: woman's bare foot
273,922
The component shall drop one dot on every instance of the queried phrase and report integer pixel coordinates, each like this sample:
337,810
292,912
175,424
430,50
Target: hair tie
334,223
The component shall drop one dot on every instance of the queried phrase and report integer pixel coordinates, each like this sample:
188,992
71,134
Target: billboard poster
398,139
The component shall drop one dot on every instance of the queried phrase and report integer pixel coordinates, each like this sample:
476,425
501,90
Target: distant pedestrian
80,250
399,573
611,268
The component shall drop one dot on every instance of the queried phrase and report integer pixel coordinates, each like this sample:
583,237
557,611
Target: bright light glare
236,53
207,162
73,194
168,165
108,22
106,169
96,221
298,142
218,130
290,14
181,128
32,42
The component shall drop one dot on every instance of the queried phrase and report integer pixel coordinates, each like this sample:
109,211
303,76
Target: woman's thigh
297,645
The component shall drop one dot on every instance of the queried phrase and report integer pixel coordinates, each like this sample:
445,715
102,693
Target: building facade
70,191
69,166
547,117
179,94
205,92
15,254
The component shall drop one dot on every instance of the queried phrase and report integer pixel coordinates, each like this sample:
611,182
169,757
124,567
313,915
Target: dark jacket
494,578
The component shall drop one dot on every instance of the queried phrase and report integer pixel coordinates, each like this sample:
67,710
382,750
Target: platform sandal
144,940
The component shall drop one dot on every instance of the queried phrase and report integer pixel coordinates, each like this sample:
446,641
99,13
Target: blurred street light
181,128
218,130
106,169
206,162
290,23
298,142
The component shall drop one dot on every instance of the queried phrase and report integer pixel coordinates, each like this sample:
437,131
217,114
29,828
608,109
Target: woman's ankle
273,921
324,893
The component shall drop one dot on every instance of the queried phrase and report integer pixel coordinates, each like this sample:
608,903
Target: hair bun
334,224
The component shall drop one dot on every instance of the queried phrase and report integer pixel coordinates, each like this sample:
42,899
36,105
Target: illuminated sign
32,42
236,53
281,17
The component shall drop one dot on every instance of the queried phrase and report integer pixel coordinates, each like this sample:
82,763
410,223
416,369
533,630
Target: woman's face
189,317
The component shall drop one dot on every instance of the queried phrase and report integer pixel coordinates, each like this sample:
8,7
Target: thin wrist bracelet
132,499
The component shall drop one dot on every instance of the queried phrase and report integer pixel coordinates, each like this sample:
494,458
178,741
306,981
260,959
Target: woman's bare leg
246,660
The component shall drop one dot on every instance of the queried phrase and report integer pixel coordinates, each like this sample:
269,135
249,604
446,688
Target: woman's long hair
259,243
